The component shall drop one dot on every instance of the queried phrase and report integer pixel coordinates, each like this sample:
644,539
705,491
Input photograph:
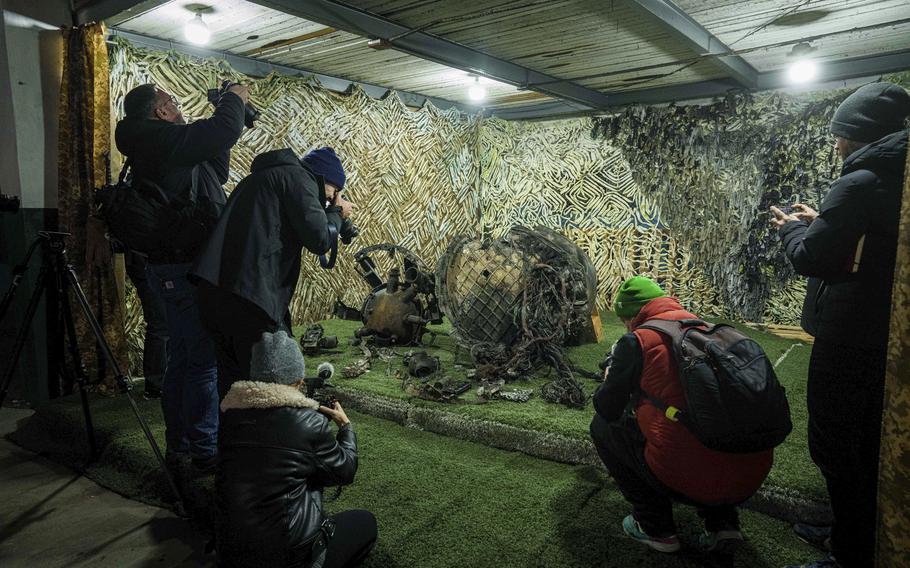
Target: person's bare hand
336,413
780,218
241,91
804,212
346,206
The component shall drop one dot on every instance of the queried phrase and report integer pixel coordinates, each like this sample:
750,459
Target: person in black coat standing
849,249
248,270
278,452
189,162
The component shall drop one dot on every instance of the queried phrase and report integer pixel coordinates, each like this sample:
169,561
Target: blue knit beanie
324,162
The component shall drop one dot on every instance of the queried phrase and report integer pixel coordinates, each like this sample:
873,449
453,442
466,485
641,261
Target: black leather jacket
277,452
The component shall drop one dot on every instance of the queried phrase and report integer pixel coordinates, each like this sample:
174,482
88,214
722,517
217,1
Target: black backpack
140,216
735,404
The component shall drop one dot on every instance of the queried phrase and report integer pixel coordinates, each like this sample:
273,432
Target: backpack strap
676,331
329,263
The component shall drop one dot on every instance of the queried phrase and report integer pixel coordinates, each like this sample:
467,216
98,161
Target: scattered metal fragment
356,368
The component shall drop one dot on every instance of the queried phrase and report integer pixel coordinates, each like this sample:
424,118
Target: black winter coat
276,453
167,153
272,214
853,307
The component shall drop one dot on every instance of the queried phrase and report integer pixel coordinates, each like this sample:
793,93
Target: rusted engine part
420,364
397,310
515,301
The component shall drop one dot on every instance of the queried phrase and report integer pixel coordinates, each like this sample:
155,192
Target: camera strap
328,264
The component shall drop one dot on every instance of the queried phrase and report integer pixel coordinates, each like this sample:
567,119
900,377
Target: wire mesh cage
516,301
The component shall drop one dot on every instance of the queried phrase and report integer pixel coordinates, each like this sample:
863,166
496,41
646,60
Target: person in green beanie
656,461
848,250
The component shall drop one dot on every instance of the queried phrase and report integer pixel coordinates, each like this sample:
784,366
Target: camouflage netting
688,217
714,170
555,175
411,173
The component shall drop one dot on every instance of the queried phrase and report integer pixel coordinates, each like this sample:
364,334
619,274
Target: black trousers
154,350
845,394
621,447
235,325
355,536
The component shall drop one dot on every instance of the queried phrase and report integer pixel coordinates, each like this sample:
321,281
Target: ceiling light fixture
196,31
477,92
803,69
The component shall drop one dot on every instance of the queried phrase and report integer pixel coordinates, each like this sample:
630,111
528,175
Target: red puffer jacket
674,455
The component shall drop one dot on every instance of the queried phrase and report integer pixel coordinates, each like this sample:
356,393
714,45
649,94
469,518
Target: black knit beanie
872,112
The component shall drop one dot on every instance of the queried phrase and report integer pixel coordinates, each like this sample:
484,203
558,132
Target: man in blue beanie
848,249
248,269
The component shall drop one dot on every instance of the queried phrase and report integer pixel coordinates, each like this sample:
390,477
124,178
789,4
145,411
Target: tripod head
54,239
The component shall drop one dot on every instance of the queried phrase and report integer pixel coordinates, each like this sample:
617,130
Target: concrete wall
30,73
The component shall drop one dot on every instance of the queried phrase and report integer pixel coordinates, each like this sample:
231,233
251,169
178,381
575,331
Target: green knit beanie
634,294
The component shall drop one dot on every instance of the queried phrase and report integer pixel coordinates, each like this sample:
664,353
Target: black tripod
57,277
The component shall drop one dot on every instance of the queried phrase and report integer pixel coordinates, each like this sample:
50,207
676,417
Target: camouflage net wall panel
556,175
411,173
893,532
713,171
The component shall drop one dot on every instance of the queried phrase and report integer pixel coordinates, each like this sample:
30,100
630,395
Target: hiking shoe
723,542
817,536
824,563
661,544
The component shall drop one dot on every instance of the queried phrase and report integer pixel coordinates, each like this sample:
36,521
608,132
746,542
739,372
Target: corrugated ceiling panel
311,46
838,47
763,31
570,39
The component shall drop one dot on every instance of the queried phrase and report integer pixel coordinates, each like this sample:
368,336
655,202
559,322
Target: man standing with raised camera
189,163
849,247
249,268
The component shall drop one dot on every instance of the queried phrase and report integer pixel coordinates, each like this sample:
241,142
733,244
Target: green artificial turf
793,468
439,502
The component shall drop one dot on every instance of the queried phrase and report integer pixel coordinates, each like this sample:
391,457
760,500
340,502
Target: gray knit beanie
277,359
872,112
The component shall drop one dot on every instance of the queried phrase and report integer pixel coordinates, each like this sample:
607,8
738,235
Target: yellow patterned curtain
894,476
85,135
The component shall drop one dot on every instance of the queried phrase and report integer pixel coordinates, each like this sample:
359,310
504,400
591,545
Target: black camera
250,113
10,203
324,372
348,231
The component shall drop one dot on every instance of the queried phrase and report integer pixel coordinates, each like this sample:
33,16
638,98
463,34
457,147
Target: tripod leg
18,272
7,376
123,380
69,329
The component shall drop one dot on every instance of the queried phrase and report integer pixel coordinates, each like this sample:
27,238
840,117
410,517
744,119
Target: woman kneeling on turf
277,453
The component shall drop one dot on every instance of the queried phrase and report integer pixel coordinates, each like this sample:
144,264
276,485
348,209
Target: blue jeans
154,352
189,393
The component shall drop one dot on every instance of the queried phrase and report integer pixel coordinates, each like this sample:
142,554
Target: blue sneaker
661,544
825,563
